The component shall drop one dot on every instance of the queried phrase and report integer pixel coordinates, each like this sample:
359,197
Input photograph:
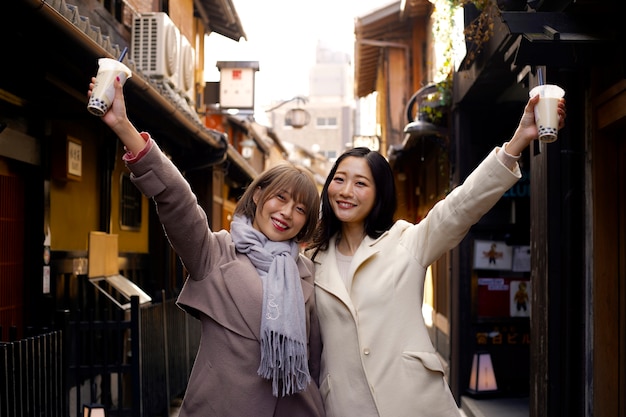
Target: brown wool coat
224,292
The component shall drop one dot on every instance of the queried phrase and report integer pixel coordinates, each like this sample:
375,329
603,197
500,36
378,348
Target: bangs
300,184
305,192
286,177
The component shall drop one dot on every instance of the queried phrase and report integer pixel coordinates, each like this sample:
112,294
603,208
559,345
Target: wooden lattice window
130,204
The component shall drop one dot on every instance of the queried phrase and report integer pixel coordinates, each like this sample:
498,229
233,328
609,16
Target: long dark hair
379,219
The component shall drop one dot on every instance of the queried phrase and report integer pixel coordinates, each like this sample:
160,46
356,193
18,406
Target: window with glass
130,204
326,122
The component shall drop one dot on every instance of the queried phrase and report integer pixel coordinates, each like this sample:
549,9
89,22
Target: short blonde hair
284,177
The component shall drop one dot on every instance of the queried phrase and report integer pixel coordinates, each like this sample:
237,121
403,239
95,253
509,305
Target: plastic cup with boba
104,91
546,114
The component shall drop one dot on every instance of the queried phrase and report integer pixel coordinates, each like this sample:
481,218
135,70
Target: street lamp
247,148
422,124
297,116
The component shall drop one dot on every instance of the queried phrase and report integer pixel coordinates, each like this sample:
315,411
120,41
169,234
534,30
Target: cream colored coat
377,357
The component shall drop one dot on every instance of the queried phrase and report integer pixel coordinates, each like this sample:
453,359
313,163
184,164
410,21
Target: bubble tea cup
103,90
546,114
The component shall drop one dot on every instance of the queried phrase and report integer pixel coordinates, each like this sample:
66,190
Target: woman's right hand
116,114
117,119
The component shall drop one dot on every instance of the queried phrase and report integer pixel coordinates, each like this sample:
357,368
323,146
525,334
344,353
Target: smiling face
352,191
280,218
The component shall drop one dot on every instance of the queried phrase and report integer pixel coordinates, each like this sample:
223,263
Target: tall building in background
330,104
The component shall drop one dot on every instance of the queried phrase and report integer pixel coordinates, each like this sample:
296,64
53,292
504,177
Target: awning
256,131
521,40
221,17
119,290
556,38
382,28
46,34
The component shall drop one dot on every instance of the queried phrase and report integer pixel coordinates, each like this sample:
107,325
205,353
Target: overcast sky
282,36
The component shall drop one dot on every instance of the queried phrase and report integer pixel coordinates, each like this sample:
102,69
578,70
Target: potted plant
481,14
434,106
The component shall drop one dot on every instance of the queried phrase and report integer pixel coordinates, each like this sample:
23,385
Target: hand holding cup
103,91
546,110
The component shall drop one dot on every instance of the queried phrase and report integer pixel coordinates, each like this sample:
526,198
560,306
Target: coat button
366,351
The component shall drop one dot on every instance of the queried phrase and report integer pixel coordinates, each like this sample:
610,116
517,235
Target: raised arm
184,221
117,119
450,219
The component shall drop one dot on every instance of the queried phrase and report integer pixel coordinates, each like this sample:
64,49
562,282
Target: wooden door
11,249
609,254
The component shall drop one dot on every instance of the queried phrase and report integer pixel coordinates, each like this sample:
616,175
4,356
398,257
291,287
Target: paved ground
495,407
470,407
175,408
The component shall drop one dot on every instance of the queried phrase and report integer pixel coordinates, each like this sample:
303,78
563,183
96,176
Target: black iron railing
133,362
31,377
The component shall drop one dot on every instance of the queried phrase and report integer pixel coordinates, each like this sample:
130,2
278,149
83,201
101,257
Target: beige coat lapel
366,250
327,275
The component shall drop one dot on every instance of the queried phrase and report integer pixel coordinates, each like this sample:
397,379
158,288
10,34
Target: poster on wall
519,298
521,259
490,254
493,297
503,297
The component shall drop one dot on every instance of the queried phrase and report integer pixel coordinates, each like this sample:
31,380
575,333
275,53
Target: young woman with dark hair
380,218
377,357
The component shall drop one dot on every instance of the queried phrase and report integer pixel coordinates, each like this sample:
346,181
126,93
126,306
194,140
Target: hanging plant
433,114
435,106
444,90
480,30
477,33
445,36
443,32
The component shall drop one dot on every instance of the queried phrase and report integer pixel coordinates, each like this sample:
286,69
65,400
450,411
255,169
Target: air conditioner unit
156,46
187,69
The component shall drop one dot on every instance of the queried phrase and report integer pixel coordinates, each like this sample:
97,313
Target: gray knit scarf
283,324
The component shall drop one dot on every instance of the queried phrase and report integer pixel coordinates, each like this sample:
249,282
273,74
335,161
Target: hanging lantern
297,117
